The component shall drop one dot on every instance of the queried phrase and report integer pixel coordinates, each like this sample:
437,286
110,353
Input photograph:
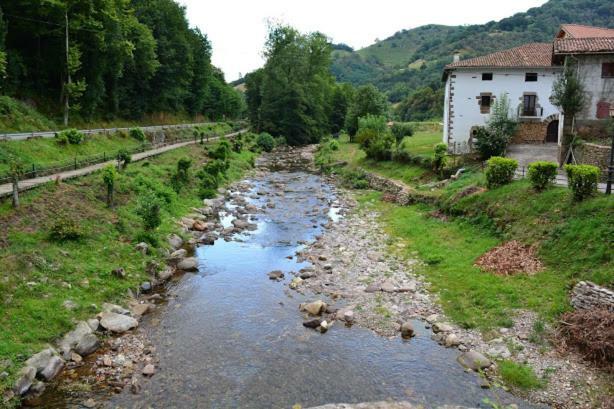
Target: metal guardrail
82,162
16,136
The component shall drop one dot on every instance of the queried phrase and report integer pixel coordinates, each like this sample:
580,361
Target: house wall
466,85
597,88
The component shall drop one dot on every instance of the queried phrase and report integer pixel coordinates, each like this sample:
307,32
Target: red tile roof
580,31
583,45
535,55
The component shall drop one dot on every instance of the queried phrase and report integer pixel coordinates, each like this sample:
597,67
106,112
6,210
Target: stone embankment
587,295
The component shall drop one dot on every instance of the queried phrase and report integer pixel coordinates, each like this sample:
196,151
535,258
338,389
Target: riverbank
51,283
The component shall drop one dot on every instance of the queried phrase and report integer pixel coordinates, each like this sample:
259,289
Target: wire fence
35,170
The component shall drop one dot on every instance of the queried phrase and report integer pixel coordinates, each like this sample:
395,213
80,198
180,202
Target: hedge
582,180
500,171
542,174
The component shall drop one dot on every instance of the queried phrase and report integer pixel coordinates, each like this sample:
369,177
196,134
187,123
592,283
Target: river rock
373,287
175,241
188,264
295,283
178,254
87,345
314,308
348,316
117,322
451,340
142,248
117,309
72,338
138,310
313,323
165,274
119,272
276,275
324,325
146,286
25,378
432,318
47,363
407,330
442,327
149,370
306,273
473,360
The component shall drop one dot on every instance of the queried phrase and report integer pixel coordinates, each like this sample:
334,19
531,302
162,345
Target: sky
237,28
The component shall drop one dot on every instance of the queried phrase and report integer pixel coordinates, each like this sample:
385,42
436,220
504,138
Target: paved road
51,134
7,189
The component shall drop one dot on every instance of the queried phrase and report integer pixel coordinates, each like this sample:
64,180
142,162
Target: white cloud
237,28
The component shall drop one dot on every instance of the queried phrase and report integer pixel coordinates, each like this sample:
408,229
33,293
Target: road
51,134
7,188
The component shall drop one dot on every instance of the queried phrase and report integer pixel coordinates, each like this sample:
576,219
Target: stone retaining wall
530,132
596,155
400,193
587,295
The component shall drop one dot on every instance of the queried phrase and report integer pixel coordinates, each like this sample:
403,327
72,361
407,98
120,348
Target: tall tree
367,100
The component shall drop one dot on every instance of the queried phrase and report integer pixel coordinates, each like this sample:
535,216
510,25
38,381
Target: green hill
412,59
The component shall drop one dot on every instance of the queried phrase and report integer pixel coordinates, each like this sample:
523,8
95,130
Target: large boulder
87,345
117,322
314,308
47,363
175,241
72,338
407,330
25,379
188,264
474,360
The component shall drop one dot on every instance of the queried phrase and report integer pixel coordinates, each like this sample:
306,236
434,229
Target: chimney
456,58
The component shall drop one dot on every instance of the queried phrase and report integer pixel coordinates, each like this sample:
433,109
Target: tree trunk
566,139
109,195
15,192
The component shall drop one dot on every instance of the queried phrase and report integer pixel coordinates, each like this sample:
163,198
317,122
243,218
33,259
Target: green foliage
423,104
237,144
568,92
183,168
400,130
375,138
343,94
439,160
334,145
70,136
583,180
493,139
17,116
489,143
65,228
366,101
500,171
291,94
137,133
355,179
109,175
542,174
519,375
149,208
124,158
221,151
265,141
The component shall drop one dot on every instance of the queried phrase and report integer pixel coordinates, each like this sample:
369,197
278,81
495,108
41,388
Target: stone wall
587,295
596,155
398,192
530,132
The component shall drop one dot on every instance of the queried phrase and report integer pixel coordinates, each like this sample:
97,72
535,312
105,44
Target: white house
525,74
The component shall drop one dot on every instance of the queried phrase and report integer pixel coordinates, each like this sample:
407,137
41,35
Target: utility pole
69,81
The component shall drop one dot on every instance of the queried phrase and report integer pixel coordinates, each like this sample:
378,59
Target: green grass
39,274
46,152
519,375
15,116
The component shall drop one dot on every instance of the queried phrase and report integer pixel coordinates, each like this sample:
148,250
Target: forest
106,59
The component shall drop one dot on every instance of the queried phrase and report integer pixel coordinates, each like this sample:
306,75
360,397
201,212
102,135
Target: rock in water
473,360
407,330
24,381
295,283
451,340
314,323
348,316
188,264
87,345
175,241
149,370
314,308
276,275
117,322
442,327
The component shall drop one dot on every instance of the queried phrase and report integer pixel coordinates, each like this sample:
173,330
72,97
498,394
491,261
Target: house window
487,76
485,102
528,105
607,70
530,77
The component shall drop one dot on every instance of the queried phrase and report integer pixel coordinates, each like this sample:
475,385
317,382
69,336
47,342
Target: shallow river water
232,338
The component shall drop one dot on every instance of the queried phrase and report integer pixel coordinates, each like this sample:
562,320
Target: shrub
183,168
334,145
137,133
375,138
519,375
355,179
147,237
65,228
205,193
145,185
400,130
237,144
582,180
109,174
280,141
265,142
71,136
542,174
124,158
221,151
489,143
590,332
500,171
439,160
149,208
209,181
402,154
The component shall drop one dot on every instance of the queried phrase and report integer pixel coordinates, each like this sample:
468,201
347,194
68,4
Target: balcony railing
536,112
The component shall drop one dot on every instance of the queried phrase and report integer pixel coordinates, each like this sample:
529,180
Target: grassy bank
574,241
40,273
46,152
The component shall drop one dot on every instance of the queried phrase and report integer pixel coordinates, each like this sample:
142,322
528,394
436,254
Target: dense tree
291,96
367,100
421,105
342,96
253,97
125,58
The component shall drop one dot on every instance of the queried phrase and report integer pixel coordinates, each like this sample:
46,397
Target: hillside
411,59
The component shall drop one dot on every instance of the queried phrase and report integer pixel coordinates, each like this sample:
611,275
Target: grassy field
45,152
40,273
574,241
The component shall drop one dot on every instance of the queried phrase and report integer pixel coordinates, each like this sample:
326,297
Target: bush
582,180
439,160
124,158
149,208
237,144
137,133
355,179
590,332
221,151
375,138
65,228
183,167
542,174
489,143
400,130
265,142
204,193
209,181
519,375
334,145
500,171
71,136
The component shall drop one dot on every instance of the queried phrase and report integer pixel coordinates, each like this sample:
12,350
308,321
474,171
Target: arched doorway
552,132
